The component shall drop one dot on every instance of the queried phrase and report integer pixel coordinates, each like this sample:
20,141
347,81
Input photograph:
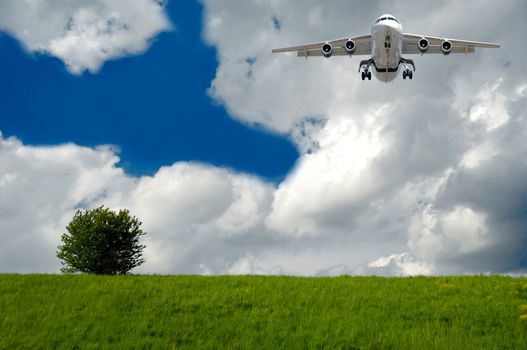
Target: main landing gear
365,66
366,74
407,73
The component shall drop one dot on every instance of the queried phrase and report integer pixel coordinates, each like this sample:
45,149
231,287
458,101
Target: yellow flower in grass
523,308
525,286
523,317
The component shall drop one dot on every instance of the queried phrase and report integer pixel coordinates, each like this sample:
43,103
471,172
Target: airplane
386,46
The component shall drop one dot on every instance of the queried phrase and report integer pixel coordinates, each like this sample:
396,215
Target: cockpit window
387,19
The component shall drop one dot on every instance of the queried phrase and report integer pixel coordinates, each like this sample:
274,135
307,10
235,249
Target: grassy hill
249,312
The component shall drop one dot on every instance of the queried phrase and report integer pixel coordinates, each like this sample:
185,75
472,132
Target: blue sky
154,106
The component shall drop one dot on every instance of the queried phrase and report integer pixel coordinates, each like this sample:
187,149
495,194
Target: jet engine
423,44
327,50
350,46
446,47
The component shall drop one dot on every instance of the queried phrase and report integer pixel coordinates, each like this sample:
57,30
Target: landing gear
366,75
408,73
365,66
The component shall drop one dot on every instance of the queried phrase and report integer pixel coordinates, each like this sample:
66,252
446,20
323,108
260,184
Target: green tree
101,241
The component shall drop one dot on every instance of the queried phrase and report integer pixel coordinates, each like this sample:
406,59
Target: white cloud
479,154
322,184
415,177
194,214
40,188
399,265
248,208
84,33
490,108
457,232
198,218
465,228
381,162
521,91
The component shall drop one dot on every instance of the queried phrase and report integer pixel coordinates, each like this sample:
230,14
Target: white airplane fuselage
387,46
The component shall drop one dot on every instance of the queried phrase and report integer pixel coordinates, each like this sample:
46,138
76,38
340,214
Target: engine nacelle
327,50
446,47
350,46
423,44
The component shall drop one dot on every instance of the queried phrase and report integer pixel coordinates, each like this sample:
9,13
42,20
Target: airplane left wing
411,45
362,47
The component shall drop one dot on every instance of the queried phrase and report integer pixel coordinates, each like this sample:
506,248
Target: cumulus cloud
84,33
399,265
414,177
40,187
198,218
413,167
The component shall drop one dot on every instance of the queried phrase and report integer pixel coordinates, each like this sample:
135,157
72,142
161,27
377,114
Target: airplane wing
363,47
410,45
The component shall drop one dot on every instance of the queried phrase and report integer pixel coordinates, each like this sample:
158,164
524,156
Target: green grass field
249,312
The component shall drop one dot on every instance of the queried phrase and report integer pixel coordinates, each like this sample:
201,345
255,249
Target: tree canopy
101,241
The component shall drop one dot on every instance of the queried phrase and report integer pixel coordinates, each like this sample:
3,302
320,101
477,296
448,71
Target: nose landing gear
387,42
408,73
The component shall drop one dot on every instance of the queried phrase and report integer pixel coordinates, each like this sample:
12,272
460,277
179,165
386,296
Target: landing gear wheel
368,75
410,75
363,75
404,75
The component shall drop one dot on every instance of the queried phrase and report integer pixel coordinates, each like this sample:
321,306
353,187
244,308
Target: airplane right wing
411,44
362,47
